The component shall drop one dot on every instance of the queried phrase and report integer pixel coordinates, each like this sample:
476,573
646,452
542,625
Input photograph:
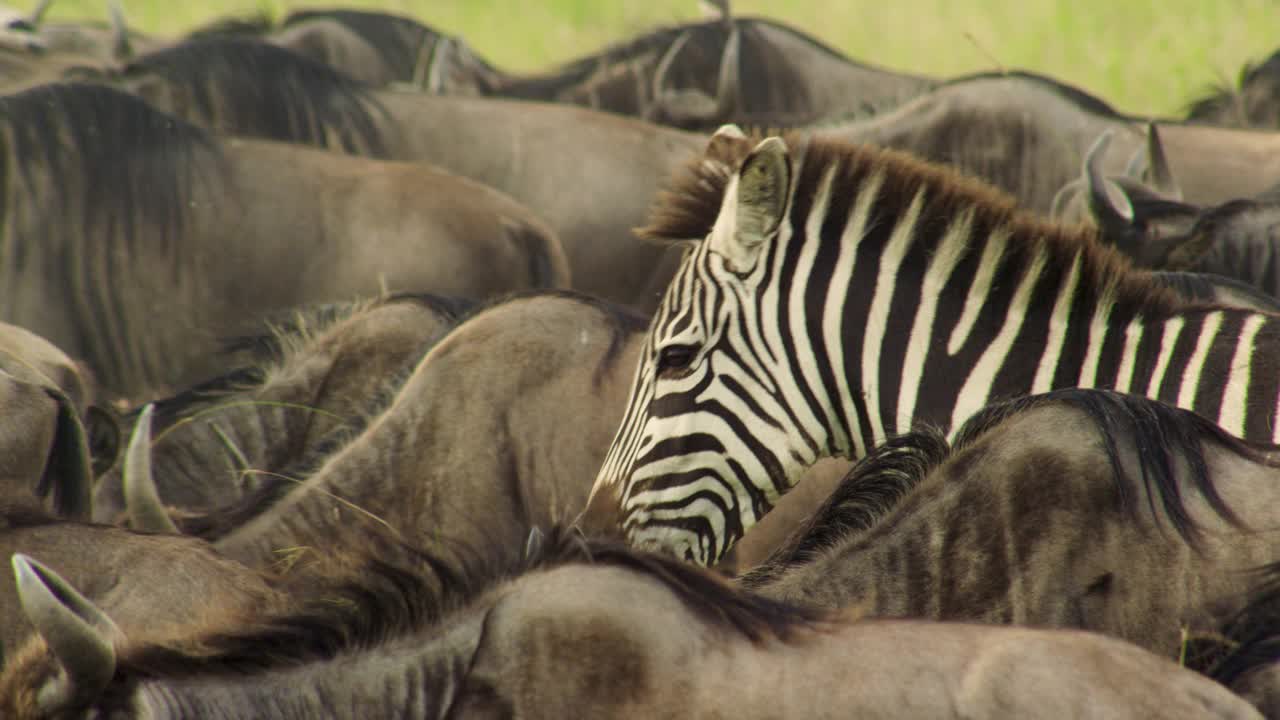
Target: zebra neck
934,327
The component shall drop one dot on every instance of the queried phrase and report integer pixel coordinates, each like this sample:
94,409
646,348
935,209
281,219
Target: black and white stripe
883,302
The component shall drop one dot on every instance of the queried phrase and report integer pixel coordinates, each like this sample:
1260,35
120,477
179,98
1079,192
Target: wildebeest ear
80,636
754,203
141,499
68,472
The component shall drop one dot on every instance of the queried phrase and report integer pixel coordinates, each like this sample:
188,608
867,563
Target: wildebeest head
1254,104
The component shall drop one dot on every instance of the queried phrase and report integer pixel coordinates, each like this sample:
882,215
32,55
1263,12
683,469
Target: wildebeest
574,629
1238,239
591,175
1080,508
1255,104
1028,134
149,583
323,371
186,237
1251,664
700,75
500,427
374,47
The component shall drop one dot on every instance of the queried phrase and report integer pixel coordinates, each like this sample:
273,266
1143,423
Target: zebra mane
687,209
872,488
1162,435
240,86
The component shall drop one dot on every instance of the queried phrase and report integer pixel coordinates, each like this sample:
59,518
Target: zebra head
710,436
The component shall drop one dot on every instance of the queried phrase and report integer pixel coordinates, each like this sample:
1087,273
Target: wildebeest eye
675,359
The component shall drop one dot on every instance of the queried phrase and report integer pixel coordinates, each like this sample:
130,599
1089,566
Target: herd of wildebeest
316,332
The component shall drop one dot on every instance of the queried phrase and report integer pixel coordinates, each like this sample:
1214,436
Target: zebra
838,294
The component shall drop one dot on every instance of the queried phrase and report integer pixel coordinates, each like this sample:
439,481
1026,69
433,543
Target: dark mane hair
139,162
1087,102
250,88
1252,635
687,210
252,24
94,177
1162,435
398,40
1223,104
391,589
872,488
288,334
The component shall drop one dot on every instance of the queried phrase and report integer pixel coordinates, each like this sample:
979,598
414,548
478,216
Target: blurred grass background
1147,57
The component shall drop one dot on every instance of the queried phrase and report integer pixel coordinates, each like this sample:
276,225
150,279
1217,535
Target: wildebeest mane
872,488
275,485
95,178
687,210
1252,635
1087,102
135,165
1223,103
400,41
253,24
245,87
1162,436
389,589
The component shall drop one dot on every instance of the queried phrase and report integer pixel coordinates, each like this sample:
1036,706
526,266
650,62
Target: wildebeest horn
81,637
664,65
69,472
141,499
730,70
36,16
437,66
1161,176
121,48
1058,208
533,543
1107,201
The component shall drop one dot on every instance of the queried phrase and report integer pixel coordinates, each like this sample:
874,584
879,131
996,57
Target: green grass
1145,56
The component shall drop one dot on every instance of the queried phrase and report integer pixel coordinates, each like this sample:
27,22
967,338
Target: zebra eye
674,359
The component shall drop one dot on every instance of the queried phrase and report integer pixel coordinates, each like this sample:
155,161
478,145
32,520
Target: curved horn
121,47
1161,175
1137,165
1108,203
1067,193
664,65
80,635
70,466
533,544
437,65
141,499
36,16
727,85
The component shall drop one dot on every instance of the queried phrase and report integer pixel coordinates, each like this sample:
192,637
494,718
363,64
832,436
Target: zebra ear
754,204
